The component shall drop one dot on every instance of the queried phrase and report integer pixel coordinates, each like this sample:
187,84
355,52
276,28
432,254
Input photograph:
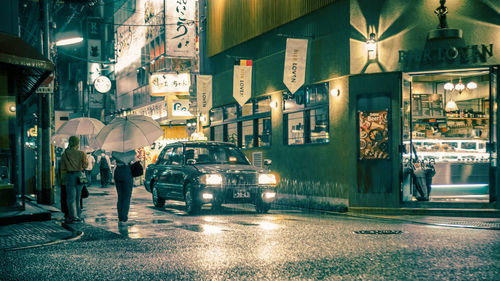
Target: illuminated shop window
218,133
248,134
247,126
264,131
306,117
232,133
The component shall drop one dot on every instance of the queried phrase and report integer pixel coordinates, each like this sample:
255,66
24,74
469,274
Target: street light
69,41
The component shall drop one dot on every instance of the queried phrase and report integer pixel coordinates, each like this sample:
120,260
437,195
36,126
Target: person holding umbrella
124,182
73,162
122,136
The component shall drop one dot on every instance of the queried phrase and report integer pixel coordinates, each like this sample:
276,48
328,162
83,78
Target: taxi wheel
157,200
262,207
193,206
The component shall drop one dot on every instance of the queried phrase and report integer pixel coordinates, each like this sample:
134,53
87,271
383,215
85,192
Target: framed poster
373,135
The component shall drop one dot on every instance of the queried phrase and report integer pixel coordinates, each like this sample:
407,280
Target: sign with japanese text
373,135
163,84
181,28
242,81
204,93
295,64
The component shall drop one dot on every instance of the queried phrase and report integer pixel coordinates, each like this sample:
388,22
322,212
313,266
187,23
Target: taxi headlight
211,179
267,179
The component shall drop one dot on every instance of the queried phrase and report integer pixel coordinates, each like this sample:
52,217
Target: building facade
391,89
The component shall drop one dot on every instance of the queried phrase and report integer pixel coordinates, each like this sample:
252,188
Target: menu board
373,135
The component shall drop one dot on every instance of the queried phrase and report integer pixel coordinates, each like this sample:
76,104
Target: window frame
306,109
255,116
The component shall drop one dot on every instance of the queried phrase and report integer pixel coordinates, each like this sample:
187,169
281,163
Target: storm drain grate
381,232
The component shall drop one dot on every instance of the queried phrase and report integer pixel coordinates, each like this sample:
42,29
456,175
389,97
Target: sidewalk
37,225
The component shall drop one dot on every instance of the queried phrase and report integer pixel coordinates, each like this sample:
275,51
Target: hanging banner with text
204,93
242,81
295,64
181,28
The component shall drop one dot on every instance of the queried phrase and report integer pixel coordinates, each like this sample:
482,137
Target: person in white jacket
88,170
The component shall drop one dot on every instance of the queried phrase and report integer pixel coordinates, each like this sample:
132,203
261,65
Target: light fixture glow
460,86
371,46
69,41
12,108
472,85
335,92
451,106
274,104
449,86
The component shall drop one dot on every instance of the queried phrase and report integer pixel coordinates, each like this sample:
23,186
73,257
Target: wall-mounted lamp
273,104
371,46
335,92
203,118
12,108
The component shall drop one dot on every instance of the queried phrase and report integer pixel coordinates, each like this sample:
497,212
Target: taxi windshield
215,154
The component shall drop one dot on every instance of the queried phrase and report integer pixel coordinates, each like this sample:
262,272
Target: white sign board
295,64
242,81
181,28
180,108
169,83
204,93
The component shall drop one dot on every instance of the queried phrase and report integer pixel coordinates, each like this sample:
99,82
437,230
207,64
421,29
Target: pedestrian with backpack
104,168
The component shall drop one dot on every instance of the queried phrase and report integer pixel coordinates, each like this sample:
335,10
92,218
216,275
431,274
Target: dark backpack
103,163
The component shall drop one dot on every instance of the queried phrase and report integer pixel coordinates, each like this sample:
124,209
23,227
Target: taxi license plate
241,193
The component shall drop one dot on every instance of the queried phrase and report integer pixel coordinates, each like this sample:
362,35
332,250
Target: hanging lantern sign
163,84
295,63
204,93
242,81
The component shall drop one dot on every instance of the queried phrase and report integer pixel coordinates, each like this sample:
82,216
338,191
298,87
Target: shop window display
447,122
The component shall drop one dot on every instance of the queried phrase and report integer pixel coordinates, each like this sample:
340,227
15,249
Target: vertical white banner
204,93
242,82
180,28
295,63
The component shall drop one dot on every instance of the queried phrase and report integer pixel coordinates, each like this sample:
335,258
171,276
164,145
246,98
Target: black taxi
203,172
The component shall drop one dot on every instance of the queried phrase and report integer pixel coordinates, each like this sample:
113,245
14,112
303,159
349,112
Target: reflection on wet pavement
146,221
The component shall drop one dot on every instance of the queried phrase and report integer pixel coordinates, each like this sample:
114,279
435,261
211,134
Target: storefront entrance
449,136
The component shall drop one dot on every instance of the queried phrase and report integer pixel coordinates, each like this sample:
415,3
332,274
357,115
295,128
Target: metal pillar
46,195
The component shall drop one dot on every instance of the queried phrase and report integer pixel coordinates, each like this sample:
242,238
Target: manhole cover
378,231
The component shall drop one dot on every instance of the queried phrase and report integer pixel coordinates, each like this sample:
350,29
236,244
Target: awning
24,63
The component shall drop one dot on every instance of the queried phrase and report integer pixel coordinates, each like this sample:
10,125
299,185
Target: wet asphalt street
238,244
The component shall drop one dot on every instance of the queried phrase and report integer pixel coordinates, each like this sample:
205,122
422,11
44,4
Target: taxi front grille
240,179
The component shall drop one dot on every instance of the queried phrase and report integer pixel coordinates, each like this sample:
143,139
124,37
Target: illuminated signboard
163,84
180,108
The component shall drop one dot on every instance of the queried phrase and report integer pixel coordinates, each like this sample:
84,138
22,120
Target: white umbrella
128,133
87,142
80,126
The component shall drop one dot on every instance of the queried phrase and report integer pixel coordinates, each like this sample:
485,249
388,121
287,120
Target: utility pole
46,190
